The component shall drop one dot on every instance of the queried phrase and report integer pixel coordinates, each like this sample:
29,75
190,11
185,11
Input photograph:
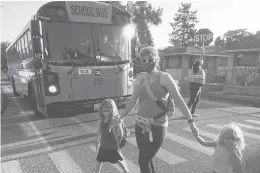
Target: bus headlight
129,31
53,89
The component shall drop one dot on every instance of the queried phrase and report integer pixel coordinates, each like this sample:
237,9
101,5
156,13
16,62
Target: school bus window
15,52
18,49
29,43
26,45
22,48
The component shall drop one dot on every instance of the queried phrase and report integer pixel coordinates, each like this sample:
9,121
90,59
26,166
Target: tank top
108,140
198,77
147,107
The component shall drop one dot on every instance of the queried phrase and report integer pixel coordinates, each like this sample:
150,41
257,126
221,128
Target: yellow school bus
73,54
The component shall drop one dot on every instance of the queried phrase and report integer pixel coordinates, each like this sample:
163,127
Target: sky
217,15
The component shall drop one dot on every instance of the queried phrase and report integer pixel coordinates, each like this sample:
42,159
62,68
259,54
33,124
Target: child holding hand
227,157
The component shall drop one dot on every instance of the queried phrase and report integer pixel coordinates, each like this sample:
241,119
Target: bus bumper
81,107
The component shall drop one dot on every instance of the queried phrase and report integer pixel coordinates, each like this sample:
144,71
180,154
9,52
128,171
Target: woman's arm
206,143
134,98
98,131
172,88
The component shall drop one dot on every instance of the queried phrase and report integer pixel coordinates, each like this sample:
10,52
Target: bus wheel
14,87
33,103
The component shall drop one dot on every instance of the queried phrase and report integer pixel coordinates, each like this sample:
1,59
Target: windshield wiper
98,49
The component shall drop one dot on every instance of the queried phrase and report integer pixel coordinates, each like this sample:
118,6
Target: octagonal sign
203,35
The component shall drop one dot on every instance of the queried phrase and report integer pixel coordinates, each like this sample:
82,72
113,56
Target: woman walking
152,89
196,81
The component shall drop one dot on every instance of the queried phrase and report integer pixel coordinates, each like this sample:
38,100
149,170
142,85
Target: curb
241,99
4,101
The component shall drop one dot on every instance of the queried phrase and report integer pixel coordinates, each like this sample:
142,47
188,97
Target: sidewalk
241,99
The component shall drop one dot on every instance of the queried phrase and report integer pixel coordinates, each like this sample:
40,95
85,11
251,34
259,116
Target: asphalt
31,144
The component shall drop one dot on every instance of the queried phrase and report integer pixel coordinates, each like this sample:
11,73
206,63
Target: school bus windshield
85,43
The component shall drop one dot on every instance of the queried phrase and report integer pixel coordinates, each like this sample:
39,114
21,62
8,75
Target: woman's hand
194,129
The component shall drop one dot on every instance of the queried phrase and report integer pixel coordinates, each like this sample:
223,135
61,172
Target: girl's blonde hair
237,133
111,104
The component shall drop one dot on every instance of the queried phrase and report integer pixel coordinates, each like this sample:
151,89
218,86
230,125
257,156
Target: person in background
197,79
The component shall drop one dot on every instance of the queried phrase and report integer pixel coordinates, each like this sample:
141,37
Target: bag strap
150,93
117,142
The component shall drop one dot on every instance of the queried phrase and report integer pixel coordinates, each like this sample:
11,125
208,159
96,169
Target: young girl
227,157
109,133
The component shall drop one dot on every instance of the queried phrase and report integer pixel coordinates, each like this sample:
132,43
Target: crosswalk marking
64,162
132,167
163,154
255,115
189,143
246,126
11,167
83,125
253,121
203,133
219,127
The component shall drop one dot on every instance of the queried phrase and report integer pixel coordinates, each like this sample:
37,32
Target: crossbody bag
169,109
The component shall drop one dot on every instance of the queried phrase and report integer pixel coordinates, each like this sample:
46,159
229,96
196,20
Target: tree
233,38
143,15
237,36
184,26
219,42
4,45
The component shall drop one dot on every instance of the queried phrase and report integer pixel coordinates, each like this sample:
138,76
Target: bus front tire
14,87
33,103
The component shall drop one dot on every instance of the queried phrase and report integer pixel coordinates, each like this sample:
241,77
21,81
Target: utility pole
141,25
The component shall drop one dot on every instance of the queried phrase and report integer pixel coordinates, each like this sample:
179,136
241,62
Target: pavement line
190,143
253,121
163,154
44,150
13,166
219,127
130,164
51,138
16,116
64,162
203,133
247,126
31,124
237,112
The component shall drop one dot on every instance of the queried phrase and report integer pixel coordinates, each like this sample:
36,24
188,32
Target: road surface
31,144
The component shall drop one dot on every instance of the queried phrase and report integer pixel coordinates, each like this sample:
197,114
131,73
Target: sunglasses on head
147,60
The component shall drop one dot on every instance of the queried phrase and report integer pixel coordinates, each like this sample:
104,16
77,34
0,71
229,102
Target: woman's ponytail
195,66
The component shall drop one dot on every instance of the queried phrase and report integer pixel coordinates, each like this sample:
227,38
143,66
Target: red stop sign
203,35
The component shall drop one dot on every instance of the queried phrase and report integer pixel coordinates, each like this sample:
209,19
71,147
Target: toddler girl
227,157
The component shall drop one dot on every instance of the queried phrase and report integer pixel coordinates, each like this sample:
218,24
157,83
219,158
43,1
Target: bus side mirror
36,35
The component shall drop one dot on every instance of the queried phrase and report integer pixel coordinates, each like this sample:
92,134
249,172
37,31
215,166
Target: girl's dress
221,162
108,150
